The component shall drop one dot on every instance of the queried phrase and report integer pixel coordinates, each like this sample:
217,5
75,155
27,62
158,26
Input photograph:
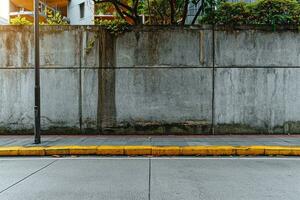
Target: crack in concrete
149,180
16,183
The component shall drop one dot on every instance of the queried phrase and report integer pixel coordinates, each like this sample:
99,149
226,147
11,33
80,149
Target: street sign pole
37,101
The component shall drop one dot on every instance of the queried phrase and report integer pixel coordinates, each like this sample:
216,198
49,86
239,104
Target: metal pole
37,101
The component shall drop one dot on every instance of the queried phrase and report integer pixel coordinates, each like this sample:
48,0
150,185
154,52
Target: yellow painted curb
83,150
194,151
57,150
284,151
152,150
110,150
166,151
221,151
250,150
31,151
137,150
9,151
295,151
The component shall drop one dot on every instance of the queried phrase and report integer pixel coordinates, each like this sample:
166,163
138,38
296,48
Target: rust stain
202,55
10,47
25,40
106,111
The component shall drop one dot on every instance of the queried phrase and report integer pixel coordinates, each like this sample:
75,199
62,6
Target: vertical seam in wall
149,179
80,79
100,58
202,62
114,114
213,82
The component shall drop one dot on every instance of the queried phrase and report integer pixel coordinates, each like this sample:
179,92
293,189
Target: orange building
24,8
77,12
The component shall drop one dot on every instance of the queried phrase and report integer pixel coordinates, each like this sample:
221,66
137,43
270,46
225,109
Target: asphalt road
95,178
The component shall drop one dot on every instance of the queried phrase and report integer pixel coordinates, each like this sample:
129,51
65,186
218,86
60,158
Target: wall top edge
45,28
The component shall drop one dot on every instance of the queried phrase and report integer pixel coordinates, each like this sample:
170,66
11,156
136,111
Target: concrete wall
152,80
257,81
162,80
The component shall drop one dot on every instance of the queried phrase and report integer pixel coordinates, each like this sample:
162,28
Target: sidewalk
288,145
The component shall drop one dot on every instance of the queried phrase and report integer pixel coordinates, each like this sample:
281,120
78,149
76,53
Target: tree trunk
185,12
172,6
198,12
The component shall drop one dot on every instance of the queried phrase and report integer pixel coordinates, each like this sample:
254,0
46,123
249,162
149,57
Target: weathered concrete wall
265,100
257,48
257,84
162,83
60,77
165,48
152,80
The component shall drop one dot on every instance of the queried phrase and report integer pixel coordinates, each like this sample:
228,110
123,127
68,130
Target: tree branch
185,11
135,8
172,6
198,12
123,9
119,3
130,16
119,11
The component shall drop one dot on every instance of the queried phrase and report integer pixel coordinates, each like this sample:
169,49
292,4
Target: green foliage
276,12
109,8
91,44
20,21
141,8
159,11
125,9
52,19
115,27
228,13
105,8
55,18
266,12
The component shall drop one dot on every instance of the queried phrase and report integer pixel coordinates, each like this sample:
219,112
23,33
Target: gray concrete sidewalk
177,178
167,140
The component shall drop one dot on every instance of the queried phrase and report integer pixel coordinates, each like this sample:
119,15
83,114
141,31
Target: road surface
176,178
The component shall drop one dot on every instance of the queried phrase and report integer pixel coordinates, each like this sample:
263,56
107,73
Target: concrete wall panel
163,95
263,100
60,49
60,98
257,48
16,99
90,49
165,48
89,98
16,48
